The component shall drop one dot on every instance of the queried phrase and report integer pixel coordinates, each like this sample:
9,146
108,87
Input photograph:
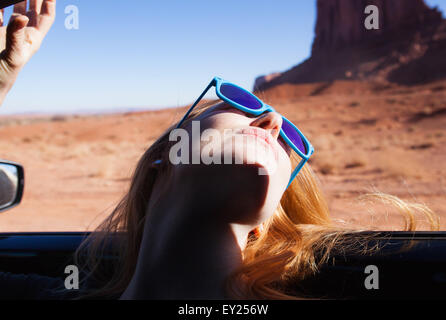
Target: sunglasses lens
294,136
240,96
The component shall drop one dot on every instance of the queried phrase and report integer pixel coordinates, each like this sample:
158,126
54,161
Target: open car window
109,80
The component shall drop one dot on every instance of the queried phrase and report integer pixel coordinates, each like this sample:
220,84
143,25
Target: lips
263,136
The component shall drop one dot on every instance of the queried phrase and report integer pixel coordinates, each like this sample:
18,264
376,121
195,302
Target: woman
238,230
216,230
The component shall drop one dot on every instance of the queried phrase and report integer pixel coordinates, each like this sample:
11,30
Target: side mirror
12,180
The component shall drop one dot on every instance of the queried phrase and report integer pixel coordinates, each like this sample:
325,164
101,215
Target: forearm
2,96
7,78
4,92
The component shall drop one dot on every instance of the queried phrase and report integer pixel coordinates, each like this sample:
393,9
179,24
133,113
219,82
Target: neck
187,250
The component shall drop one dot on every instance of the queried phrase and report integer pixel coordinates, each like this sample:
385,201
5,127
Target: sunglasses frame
218,82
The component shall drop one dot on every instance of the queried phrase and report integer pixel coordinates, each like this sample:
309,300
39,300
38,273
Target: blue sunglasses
247,102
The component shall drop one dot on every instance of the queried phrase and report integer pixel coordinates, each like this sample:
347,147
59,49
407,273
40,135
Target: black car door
408,265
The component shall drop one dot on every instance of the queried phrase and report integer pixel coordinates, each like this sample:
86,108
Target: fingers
47,15
35,6
48,8
15,40
33,13
2,14
20,8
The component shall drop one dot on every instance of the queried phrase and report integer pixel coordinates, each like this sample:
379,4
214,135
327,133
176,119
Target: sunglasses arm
296,171
210,85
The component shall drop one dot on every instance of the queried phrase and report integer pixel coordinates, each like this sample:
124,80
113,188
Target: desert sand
367,136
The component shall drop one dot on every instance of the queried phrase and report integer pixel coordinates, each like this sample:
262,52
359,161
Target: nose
271,121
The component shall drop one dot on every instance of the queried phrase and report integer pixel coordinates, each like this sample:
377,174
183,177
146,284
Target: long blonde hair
294,243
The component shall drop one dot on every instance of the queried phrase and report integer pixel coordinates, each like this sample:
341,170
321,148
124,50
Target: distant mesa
409,47
266,79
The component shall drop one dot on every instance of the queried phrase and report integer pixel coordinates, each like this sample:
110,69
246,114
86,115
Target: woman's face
242,153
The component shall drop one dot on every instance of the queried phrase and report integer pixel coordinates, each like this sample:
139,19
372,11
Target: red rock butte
408,48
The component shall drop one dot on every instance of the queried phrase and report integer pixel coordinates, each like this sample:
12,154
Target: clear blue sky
153,54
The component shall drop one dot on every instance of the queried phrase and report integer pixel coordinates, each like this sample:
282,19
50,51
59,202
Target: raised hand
22,38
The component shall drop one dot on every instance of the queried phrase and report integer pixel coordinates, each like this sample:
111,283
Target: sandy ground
366,136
